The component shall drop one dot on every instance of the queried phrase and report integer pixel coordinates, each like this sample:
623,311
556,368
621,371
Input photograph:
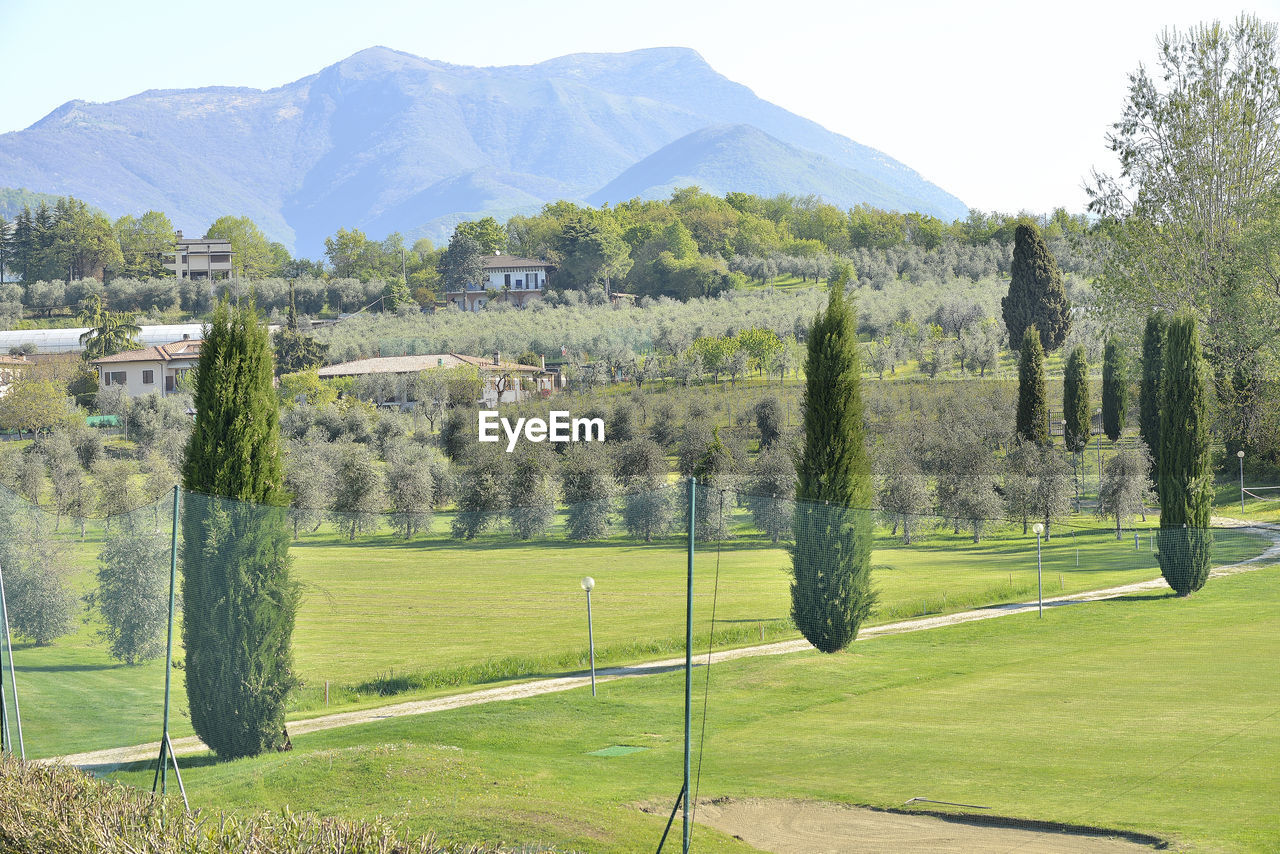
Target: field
1108,714
383,618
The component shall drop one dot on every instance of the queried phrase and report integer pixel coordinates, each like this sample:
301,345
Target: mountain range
386,141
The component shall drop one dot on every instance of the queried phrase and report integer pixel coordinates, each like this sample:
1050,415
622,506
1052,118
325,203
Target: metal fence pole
13,680
688,664
168,654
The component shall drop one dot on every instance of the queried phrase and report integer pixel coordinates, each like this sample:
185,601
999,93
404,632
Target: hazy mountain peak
388,141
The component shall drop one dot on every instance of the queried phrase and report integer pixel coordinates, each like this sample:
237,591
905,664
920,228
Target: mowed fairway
381,616
1148,713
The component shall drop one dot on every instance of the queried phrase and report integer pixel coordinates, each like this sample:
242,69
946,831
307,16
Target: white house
506,278
199,258
501,382
149,370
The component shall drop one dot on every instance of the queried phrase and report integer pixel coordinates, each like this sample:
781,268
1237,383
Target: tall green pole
168,655
688,666
13,679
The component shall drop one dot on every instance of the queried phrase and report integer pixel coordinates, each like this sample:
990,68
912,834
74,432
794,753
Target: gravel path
106,760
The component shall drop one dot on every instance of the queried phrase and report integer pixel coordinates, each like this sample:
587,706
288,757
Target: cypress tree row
1184,479
1114,392
831,559
238,600
1152,371
1075,402
1033,409
1037,296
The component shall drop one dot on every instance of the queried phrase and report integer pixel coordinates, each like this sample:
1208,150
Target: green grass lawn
1149,713
382,617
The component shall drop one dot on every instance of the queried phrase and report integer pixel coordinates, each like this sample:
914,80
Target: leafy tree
1036,294
294,351
41,605
1115,391
770,420
36,405
904,494
239,601
1076,410
409,488
714,470
1126,488
461,265
531,506
591,251
1052,486
309,477
1033,411
109,333
359,493
132,595
486,232
641,468
771,491
251,253
831,561
589,489
145,242
1184,480
1152,372
482,492
1199,168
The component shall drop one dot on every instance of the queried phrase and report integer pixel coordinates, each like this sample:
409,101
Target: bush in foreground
50,809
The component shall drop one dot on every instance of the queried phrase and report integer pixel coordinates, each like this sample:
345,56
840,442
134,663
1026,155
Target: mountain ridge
387,140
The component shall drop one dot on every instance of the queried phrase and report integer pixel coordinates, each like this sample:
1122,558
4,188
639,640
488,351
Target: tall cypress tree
1033,410
1184,479
1115,392
831,559
239,601
1152,371
1075,402
1036,293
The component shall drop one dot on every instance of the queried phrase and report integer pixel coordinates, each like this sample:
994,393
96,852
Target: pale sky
1004,104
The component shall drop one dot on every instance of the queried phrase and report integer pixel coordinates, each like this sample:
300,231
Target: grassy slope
469,613
1148,713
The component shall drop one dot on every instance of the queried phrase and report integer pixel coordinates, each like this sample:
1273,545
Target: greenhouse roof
68,340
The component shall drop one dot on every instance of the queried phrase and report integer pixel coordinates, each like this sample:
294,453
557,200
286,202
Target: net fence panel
391,608
88,607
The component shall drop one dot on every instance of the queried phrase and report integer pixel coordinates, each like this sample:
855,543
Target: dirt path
106,760
814,827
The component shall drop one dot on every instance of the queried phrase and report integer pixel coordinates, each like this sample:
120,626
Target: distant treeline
691,245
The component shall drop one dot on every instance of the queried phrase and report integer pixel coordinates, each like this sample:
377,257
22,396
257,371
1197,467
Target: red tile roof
188,349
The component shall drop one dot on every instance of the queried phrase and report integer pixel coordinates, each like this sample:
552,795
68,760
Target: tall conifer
1075,402
1036,292
1115,393
831,560
1152,371
239,602
1033,413
1184,479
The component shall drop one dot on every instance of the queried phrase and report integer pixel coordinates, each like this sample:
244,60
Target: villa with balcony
506,278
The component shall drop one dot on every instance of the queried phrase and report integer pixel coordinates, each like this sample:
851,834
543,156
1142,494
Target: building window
533,281
520,284
116,378
168,383
506,279
148,377
222,259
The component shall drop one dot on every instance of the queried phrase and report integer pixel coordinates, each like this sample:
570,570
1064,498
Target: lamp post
1039,529
589,583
